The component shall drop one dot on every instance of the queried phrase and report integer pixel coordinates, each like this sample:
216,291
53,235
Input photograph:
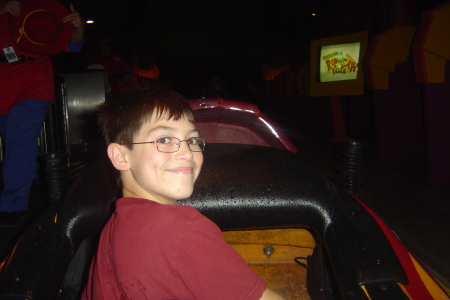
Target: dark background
193,40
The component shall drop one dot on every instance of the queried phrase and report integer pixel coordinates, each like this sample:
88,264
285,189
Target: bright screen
339,62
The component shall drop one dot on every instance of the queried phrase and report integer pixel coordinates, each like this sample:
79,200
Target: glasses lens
172,144
167,144
196,144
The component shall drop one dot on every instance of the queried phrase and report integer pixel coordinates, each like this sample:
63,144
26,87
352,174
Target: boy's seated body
150,248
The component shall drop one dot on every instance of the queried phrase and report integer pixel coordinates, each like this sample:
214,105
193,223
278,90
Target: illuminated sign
339,62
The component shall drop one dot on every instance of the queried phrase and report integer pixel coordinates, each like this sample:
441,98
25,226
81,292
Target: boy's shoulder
141,219
129,202
136,208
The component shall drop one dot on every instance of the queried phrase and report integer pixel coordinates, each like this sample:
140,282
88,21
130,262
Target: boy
150,248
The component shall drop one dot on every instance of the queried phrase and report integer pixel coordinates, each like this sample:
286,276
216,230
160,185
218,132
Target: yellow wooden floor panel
278,268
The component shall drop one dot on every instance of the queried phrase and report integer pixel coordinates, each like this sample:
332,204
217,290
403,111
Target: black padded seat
42,257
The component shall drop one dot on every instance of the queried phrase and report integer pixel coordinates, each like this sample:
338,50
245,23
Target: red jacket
32,79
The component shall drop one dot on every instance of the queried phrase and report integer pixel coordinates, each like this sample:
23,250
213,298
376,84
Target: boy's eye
163,140
193,141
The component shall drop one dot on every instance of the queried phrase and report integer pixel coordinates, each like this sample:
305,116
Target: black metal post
351,170
55,176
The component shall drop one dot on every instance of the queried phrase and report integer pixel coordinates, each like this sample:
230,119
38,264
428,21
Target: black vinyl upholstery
43,254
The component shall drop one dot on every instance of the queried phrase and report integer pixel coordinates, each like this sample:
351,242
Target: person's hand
77,24
74,18
10,6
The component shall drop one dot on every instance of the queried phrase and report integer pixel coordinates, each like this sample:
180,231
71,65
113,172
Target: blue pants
20,129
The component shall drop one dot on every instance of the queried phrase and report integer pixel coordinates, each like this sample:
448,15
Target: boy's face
158,176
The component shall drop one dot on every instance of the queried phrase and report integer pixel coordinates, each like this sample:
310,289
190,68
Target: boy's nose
184,149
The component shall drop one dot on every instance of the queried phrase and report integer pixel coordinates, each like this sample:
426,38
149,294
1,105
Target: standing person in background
116,69
30,31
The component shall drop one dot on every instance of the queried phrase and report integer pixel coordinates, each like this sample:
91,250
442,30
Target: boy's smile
158,176
182,170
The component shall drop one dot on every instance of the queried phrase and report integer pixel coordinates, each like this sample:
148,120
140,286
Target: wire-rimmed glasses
168,144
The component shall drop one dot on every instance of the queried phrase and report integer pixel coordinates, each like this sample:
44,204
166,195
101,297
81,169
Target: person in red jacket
30,31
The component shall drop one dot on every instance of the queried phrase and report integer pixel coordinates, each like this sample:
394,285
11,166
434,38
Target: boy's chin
182,195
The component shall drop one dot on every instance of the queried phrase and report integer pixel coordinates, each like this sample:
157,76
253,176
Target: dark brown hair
122,118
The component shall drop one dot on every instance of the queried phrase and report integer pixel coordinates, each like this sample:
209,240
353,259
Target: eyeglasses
172,144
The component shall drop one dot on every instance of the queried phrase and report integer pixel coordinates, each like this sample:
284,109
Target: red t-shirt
149,250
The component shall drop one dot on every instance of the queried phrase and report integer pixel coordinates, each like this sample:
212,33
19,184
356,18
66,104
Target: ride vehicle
305,235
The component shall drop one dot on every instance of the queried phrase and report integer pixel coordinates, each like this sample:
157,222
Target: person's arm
10,6
270,294
78,24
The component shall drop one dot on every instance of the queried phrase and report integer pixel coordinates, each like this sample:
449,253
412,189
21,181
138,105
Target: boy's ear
117,155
